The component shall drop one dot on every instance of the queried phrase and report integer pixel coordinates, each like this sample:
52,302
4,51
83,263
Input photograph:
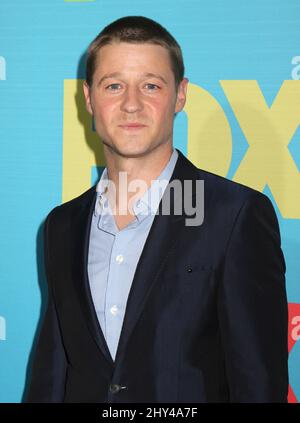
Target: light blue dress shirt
114,254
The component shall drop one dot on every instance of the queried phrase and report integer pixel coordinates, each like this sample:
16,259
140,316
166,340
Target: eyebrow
119,75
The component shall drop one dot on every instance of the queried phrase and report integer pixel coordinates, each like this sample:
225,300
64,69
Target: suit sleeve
48,374
252,307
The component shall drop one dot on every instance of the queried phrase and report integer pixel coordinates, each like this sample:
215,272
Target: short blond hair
136,29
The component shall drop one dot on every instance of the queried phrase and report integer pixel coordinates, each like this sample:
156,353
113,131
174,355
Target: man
144,305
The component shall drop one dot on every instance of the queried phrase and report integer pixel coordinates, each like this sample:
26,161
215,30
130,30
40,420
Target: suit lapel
164,233
162,237
80,234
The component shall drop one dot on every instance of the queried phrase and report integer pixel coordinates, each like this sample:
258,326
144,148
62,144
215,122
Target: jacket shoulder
228,190
68,207
216,187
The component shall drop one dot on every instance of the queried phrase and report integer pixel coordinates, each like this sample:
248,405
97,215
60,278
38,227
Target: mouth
132,126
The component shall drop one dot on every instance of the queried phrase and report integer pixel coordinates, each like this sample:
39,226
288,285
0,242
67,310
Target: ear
181,95
87,95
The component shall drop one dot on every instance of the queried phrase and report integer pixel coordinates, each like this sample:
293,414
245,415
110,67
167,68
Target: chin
130,150
131,153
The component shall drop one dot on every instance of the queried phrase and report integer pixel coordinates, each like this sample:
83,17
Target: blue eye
151,87
114,87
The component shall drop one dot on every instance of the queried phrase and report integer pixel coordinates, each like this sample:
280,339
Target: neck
144,169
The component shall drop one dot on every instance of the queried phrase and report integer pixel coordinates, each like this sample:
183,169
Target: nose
132,101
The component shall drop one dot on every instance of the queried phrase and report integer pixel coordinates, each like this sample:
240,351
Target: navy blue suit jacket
206,317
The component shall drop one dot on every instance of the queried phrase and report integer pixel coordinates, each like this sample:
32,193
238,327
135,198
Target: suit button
114,388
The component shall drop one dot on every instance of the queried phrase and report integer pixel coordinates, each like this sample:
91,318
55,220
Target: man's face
133,98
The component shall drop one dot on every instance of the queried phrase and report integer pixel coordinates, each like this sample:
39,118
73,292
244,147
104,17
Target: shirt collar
101,189
149,202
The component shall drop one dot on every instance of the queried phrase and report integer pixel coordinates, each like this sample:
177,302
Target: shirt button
119,258
114,310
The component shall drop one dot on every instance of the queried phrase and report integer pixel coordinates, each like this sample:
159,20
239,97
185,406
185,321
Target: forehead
121,56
